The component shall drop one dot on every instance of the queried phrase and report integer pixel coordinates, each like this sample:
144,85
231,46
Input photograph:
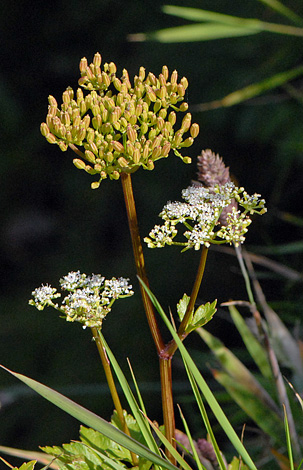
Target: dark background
52,222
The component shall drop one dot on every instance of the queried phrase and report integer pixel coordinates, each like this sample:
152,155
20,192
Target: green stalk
165,363
171,347
112,386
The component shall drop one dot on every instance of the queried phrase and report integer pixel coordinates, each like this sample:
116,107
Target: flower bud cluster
120,125
89,300
200,215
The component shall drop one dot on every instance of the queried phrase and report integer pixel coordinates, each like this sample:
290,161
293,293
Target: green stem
112,386
171,347
165,365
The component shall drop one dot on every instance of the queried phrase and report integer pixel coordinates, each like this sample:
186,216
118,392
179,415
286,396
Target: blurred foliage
52,223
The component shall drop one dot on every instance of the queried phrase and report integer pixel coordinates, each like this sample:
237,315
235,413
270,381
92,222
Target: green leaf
182,306
237,371
217,410
253,405
203,314
194,32
197,14
253,346
236,465
91,419
28,465
140,419
283,10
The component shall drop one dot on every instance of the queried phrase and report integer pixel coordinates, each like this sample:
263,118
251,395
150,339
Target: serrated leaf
28,465
182,306
203,314
97,441
235,465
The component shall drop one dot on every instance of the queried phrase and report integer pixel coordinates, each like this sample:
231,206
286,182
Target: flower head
120,125
200,215
89,300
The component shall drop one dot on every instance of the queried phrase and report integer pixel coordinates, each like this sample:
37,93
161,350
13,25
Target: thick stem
139,258
168,403
112,386
165,365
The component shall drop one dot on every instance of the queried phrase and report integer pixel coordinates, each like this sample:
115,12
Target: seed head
114,113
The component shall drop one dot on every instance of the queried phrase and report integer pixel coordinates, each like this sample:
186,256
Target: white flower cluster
200,216
89,300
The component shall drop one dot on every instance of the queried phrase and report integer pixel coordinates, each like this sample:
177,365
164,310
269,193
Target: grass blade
253,346
92,420
217,410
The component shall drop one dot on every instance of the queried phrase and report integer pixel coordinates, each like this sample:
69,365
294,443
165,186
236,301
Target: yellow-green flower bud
151,94
109,157
51,138
104,115
97,59
166,149
141,73
90,136
138,109
90,157
97,167
112,67
117,83
83,65
187,142
177,139
117,146
145,152
115,175
162,80
82,134
52,101
97,121
173,98
162,113
157,106
139,90
86,121
44,129
79,163
172,118
186,122
152,134
62,146
183,107
123,162
156,153
184,82
150,165
165,72
69,137
95,185
82,107
186,159
136,156
66,97
152,79
105,79
194,130
89,73
174,77
160,123
180,90
93,147
133,119
144,128
129,148
131,133
77,121
157,141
